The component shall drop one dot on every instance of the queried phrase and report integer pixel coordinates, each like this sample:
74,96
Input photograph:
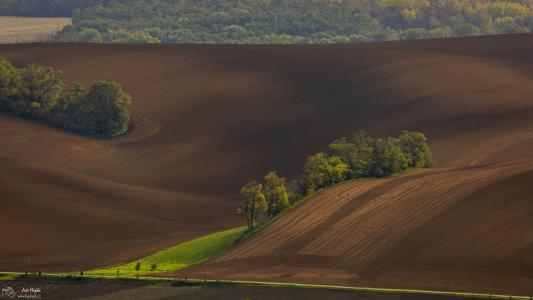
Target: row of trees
39,93
362,156
292,21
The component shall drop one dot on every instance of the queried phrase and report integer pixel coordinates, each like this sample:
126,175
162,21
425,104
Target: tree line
276,21
45,8
361,156
38,93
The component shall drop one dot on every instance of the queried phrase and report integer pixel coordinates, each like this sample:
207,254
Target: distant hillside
276,21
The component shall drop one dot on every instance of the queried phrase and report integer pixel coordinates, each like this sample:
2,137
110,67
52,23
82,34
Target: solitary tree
138,268
26,265
154,266
275,193
253,204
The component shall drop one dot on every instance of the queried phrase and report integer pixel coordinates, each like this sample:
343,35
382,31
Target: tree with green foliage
253,204
138,268
389,159
276,194
39,93
41,89
89,35
278,22
357,154
360,157
322,170
67,105
103,112
10,84
414,145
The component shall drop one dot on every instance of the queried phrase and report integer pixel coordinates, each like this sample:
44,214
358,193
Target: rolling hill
209,118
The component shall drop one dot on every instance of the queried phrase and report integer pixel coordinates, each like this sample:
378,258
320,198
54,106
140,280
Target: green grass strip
178,257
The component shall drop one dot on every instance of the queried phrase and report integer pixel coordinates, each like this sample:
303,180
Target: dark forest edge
276,21
38,93
362,156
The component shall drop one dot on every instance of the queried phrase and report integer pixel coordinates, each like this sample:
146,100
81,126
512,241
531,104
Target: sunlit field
29,30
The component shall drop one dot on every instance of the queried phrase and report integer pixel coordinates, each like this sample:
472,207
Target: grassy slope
180,256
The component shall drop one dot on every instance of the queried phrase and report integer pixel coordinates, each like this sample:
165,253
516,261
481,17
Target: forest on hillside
276,21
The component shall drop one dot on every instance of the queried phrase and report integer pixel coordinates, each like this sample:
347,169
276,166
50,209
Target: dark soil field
101,290
210,118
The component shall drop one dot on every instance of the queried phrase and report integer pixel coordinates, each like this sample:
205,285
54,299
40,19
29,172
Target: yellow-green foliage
29,30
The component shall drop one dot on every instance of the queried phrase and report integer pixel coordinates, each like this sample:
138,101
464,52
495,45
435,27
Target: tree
9,84
67,105
90,35
321,170
71,98
103,112
389,158
414,145
38,92
153,267
41,89
138,268
253,204
275,193
357,154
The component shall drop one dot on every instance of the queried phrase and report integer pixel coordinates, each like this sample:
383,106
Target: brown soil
102,290
209,118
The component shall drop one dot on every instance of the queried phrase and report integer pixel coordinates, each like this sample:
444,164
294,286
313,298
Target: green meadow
178,257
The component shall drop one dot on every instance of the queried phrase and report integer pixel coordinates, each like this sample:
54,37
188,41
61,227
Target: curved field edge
163,281
178,257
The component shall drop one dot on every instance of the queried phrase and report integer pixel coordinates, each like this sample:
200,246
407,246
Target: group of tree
364,156
39,93
262,202
276,21
361,156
